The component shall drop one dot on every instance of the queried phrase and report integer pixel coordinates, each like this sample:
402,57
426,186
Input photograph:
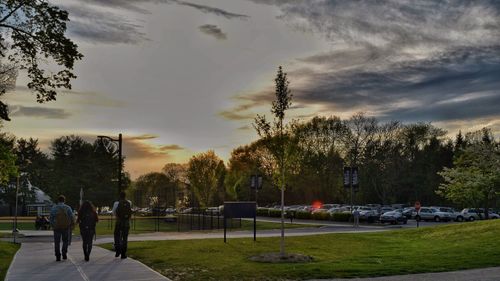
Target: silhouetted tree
32,33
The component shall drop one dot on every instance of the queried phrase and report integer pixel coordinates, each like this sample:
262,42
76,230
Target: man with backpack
122,210
61,218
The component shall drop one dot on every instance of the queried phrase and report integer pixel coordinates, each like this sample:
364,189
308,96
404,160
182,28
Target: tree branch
12,12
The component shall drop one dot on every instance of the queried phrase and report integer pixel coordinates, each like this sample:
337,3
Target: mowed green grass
442,248
7,252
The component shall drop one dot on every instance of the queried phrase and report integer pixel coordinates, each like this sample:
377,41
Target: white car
365,212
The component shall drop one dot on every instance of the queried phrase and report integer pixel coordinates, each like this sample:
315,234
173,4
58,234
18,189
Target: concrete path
483,274
36,261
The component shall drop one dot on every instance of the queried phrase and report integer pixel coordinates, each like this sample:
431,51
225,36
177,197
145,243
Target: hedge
263,212
341,217
274,213
321,216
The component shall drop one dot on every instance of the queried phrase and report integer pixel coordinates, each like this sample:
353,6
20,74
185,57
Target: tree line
398,163
71,164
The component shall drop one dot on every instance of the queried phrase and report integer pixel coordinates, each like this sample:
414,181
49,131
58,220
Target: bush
263,212
321,216
274,213
303,215
341,217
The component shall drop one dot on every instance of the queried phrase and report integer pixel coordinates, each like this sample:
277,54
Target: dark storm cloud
210,10
213,30
95,26
407,60
39,112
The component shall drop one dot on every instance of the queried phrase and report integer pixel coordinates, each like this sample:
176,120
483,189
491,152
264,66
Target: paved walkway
484,274
36,261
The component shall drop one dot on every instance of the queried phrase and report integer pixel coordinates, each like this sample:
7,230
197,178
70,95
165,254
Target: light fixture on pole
119,142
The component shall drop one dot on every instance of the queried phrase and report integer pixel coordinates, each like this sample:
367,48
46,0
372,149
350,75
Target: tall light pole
119,141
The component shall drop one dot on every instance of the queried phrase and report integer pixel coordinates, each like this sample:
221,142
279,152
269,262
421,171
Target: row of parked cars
396,213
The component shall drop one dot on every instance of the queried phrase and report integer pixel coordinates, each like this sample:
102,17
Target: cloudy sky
178,77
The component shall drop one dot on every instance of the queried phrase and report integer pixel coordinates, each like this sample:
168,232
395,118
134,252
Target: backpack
62,220
87,221
124,210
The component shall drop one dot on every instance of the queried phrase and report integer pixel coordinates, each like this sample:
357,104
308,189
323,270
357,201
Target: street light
256,183
119,141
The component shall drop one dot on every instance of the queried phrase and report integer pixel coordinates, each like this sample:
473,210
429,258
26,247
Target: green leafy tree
154,185
177,175
474,179
278,141
33,163
32,38
8,168
78,164
206,177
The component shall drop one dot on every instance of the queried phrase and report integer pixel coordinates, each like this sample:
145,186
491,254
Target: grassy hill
442,248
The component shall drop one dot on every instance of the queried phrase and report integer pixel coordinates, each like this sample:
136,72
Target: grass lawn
443,248
7,252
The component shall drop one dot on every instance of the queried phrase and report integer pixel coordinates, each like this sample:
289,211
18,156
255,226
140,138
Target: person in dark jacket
122,210
87,220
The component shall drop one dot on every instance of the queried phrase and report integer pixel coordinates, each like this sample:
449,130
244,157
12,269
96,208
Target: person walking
61,217
87,220
122,210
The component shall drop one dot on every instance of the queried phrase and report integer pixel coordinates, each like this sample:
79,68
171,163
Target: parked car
366,212
215,211
491,215
393,217
470,214
319,210
428,214
408,212
454,215
385,209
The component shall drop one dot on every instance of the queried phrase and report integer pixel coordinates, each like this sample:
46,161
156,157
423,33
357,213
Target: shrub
274,213
303,215
341,217
321,216
263,212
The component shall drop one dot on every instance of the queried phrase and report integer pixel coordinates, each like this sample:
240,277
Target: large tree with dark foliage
78,164
32,39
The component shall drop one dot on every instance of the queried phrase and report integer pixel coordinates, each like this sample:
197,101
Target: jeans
121,235
58,234
87,236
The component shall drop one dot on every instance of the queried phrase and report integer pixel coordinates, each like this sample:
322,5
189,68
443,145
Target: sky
179,77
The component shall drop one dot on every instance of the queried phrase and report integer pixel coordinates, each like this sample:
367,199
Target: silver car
432,214
455,215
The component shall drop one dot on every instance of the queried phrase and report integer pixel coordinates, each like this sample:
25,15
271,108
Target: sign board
417,206
355,179
256,182
347,176
351,175
240,210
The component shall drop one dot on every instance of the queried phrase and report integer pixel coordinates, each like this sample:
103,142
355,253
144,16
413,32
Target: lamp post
119,141
256,183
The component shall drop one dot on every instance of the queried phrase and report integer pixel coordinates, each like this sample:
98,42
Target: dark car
393,217
408,212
